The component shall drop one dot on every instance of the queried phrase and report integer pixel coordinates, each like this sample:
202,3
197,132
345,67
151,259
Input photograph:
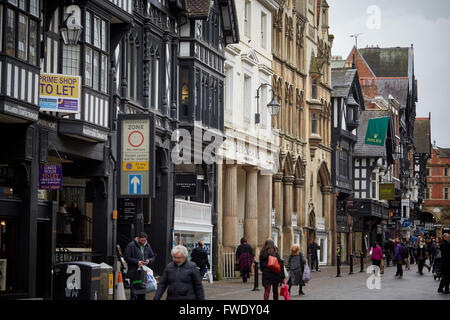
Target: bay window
71,60
21,32
96,52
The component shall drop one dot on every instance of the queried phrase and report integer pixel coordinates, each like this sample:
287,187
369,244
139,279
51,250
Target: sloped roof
337,64
387,62
422,136
367,150
342,80
398,88
444,152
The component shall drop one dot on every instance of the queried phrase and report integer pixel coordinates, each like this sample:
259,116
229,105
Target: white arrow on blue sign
135,184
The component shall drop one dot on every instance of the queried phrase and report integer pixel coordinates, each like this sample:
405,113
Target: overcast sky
425,24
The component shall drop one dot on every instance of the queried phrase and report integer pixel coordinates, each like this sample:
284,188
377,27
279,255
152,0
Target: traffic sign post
137,155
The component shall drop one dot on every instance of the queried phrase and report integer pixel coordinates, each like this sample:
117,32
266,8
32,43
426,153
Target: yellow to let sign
136,166
54,85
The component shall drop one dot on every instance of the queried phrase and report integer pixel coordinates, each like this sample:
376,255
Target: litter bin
106,282
76,281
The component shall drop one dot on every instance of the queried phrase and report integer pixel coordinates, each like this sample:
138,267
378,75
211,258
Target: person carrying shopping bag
270,264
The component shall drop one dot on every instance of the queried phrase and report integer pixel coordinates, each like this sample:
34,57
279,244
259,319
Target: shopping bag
286,274
150,284
210,276
284,291
139,281
274,265
306,273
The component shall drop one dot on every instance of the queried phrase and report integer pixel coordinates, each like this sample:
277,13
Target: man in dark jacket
389,251
445,265
313,248
180,278
138,253
200,257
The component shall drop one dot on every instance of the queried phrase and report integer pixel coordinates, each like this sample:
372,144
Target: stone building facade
302,186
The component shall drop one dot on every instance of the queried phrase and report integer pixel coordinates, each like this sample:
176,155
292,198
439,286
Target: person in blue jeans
137,254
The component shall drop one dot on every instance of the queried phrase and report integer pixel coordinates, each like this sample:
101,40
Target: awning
377,131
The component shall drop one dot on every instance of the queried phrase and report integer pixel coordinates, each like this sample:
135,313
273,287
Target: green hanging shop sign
376,131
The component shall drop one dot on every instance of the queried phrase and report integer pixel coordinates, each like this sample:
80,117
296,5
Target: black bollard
362,262
256,286
338,263
351,263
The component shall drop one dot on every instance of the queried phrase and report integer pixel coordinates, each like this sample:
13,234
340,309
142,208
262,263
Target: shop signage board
186,184
387,191
137,154
376,131
50,177
60,93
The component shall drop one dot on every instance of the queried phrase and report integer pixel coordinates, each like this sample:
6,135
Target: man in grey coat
181,278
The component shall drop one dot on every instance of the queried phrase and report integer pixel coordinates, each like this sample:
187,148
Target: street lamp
71,28
273,106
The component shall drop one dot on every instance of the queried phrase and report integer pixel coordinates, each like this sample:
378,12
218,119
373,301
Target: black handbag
139,281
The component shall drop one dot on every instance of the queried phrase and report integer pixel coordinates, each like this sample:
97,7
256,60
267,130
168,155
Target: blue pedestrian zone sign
406,224
135,184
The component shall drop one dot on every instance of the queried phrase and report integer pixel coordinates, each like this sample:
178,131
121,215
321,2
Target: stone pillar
230,219
264,209
251,207
277,202
330,225
298,190
288,232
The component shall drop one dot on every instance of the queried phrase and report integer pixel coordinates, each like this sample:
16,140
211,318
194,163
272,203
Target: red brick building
437,198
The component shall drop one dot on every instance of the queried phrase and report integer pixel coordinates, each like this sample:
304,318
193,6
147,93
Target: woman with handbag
270,264
296,267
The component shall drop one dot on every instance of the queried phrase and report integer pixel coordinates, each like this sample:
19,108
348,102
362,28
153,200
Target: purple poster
50,177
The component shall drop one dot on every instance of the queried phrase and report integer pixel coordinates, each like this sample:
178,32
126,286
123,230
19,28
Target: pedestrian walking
409,247
398,258
430,245
437,258
200,257
181,278
313,251
296,267
421,257
445,265
376,254
245,258
406,253
75,220
389,247
137,254
270,279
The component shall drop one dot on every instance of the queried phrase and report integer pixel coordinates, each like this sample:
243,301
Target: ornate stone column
298,205
230,219
330,225
251,206
277,200
288,232
264,209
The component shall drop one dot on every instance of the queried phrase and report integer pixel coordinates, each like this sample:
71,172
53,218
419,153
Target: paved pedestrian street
326,286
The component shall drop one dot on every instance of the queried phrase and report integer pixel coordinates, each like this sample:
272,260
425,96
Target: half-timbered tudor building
346,100
373,165
126,55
